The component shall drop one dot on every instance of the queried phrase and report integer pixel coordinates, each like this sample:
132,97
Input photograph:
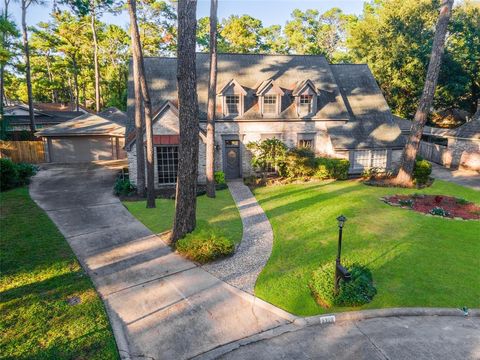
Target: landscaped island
415,260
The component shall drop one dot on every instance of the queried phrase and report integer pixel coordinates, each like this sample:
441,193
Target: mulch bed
454,207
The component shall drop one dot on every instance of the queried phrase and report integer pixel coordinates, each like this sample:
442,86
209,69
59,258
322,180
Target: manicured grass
416,260
220,213
38,274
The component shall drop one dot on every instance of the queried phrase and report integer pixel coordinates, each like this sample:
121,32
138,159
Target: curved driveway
162,306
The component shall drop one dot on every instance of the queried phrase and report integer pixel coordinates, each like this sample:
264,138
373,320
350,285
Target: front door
232,159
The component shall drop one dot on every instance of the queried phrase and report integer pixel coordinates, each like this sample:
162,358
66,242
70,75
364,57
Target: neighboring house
89,137
337,110
17,116
451,148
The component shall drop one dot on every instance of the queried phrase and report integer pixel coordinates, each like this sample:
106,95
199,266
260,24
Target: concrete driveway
161,306
468,178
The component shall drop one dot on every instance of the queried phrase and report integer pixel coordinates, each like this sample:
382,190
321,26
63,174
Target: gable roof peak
230,83
302,85
265,86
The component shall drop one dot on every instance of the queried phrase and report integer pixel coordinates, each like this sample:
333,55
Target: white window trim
370,157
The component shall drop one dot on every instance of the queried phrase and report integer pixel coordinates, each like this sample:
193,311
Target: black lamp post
340,271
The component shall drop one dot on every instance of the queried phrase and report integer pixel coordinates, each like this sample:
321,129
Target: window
167,164
306,104
233,102
270,104
306,143
366,159
232,143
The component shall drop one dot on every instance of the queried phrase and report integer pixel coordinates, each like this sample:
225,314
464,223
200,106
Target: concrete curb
300,323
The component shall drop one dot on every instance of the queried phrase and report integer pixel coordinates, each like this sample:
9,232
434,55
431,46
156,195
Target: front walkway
242,269
161,306
468,178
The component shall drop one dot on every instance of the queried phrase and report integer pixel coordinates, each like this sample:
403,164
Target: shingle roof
108,122
371,124
347,93
249,70
469,130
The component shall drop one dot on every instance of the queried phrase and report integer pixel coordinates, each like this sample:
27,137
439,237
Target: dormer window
305,94
233,95
233,104
305,105
270,104
269,97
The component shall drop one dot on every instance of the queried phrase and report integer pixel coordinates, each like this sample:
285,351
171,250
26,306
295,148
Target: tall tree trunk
95,55
75,83
2,66
411,148
140,181
212,96
186,197
26,49
137,52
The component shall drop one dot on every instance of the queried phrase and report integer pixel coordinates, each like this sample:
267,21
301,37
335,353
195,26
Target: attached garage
87,138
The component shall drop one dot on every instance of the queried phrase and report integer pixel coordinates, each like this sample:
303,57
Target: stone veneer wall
247,131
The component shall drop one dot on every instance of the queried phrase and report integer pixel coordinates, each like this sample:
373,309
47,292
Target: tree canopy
393,37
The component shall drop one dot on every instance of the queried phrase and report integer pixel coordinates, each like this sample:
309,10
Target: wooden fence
23,151
432,152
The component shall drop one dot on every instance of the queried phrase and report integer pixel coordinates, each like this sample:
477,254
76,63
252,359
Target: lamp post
340,271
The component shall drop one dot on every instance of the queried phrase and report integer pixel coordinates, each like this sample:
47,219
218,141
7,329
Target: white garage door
81,149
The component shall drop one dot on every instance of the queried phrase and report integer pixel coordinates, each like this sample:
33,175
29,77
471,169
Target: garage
87,138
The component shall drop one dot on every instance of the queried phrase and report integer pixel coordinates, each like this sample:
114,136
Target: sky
270,12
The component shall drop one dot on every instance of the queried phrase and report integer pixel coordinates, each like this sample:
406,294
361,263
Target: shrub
123,186
205,245
407,202
299,163
331,168
220,177
12,175
8,174
358,291
268,154
25,172
439,211
422,171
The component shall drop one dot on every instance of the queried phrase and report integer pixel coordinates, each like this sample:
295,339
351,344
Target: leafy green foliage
123,187
13,175
219,178
358,291
268,154
407,202
331,168
462,201
205,245
439,211
299,163
422,171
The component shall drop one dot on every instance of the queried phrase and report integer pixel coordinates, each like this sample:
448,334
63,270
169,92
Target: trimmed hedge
205,245
13,175
331,168
422,171
358,291
299,163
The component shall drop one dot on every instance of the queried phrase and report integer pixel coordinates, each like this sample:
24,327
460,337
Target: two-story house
337,110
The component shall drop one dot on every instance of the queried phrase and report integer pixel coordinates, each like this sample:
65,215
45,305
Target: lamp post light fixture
340,271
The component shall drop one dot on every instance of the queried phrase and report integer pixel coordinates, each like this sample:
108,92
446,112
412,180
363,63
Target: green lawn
416,260
220,212
38,274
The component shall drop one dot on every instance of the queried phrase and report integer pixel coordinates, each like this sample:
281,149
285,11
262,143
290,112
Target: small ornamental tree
268,154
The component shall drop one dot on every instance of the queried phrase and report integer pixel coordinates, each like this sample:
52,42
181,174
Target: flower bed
439,205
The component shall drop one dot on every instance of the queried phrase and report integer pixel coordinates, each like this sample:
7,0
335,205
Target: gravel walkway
242,269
